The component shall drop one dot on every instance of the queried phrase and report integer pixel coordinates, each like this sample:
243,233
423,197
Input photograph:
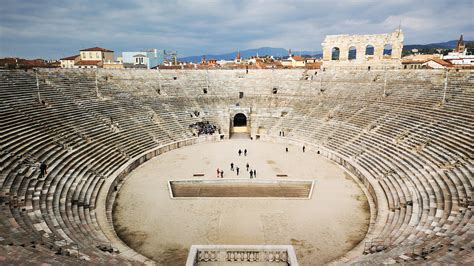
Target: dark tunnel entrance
240,120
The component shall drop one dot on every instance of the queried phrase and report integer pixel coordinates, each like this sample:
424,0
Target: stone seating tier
393,126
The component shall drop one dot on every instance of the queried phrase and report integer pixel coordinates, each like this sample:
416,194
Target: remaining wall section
344,43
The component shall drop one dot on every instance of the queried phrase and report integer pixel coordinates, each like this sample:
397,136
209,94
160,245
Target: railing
278,254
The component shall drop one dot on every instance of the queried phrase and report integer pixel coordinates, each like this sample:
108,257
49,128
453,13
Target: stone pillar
397,39
378,51
327,51
360,55
397,51
343,52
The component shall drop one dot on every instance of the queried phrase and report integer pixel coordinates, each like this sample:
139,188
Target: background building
94,57
460,56
69,62
148,58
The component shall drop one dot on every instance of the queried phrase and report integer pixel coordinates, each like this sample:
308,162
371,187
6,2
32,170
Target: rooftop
99,49
73,57
88,62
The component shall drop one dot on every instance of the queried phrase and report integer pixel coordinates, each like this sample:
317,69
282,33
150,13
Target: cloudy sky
58,28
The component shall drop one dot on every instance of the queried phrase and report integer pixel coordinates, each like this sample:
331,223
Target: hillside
276,52
281,52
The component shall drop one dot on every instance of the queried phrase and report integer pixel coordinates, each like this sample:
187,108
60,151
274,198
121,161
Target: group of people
252,172
233,167
220,173
240,152
204,128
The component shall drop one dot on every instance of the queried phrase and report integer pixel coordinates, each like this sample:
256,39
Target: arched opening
240,120
369,49
387,50
335,53
352,53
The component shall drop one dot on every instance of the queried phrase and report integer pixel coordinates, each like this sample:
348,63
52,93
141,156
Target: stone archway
240,120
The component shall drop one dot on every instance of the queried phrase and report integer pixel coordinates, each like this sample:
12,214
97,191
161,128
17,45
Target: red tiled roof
88,62
440,61
409,61
298,58
96,49
70,57
21,61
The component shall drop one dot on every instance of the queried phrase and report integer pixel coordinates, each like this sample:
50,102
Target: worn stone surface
321,229
345,42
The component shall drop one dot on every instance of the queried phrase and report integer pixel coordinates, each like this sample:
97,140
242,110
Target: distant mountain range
281,52
442,45
276,52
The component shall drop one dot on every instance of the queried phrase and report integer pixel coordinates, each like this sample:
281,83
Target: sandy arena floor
321,229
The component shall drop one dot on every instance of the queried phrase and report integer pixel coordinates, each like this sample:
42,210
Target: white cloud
55,28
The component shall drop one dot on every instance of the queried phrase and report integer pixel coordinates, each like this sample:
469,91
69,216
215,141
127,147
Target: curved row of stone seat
403,175
430,199
59,209
31,218
421,155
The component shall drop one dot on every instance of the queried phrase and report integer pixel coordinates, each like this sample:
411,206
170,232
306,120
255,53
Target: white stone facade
376,43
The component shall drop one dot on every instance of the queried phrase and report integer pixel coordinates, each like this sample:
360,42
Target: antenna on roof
399,28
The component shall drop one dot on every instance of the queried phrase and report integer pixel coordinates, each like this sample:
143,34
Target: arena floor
321,229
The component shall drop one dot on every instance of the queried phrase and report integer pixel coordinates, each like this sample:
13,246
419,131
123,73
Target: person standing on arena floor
254,173
222,173
286,149
245,152
232,166
304,148
240,152
237,170
251,174
248,167
218,172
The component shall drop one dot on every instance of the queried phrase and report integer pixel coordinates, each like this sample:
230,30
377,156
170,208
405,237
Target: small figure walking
232,166
280,133
218,172
304,148
251,174
240,152
222,173
286,149
43,169
254,173
248,167
245,152
237,170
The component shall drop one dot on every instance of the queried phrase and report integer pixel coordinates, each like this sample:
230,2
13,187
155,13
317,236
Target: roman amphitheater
386,176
